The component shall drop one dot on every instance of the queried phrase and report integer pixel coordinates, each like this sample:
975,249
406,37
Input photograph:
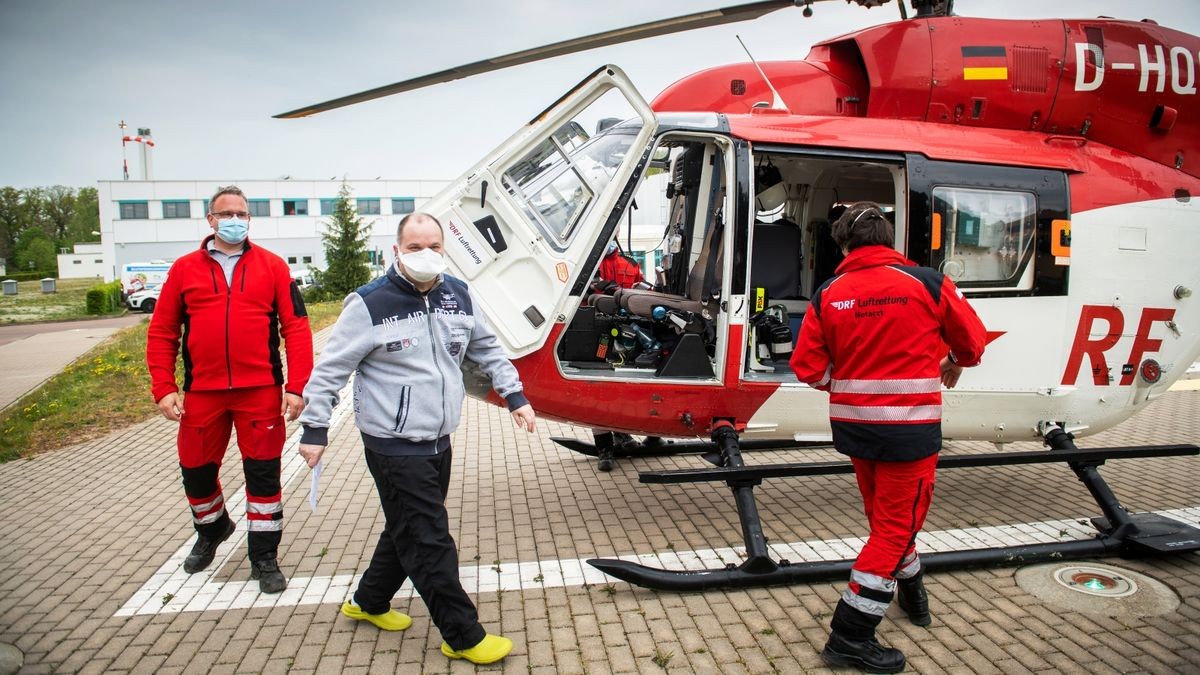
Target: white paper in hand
312,487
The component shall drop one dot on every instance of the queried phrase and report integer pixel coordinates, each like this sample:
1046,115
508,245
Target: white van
140,276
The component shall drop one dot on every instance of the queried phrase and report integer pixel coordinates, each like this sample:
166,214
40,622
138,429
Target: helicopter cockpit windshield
558,179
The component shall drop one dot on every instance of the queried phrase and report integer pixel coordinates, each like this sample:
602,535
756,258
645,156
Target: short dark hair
415,215
863,224
227,190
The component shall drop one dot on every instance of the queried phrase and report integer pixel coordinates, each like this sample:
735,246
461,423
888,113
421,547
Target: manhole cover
1095,581
1099,589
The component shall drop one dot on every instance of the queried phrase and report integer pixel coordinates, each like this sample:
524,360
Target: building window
177,209
327,206
98,261
134,211
295,207
205,207
368,207
76,262
402,205
291,260
260,207
307,260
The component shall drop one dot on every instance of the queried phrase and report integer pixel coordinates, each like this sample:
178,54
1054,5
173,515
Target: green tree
58,206
10,221
346,244
86,219
36,251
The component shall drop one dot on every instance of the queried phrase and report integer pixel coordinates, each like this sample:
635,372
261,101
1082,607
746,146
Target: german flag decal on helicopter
984,63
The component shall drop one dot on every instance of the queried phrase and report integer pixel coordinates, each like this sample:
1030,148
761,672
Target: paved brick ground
92,537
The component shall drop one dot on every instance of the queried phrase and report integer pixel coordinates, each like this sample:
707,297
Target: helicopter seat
604,303
691,308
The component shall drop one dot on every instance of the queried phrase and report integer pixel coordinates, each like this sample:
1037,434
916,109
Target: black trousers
416,544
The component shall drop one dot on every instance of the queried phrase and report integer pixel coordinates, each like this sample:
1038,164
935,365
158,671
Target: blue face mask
233,230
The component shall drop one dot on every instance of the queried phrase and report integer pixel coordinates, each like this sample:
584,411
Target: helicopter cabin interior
979,233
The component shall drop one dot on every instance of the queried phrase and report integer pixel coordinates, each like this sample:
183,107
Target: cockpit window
557,180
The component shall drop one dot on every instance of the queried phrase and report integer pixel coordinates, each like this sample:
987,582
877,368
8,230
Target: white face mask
424,265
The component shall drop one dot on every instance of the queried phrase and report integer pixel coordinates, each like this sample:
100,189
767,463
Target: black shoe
866,655
270,579
605,459
912,598
205,549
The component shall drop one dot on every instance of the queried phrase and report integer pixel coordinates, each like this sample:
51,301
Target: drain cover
1095,581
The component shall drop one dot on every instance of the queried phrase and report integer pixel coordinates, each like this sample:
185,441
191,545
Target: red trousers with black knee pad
204,430
896,498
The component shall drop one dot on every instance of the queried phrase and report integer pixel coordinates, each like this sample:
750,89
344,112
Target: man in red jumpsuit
227,304
876,337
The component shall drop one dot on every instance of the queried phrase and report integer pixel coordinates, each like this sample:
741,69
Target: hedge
104,298
28,276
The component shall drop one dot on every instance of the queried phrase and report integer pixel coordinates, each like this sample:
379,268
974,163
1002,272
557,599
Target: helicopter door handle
483,192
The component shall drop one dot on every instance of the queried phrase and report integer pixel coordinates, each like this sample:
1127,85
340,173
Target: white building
162,220
87,261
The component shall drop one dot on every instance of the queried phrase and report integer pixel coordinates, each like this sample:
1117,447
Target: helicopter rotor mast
679,24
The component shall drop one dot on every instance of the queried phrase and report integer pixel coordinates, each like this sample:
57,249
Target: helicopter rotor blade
714,17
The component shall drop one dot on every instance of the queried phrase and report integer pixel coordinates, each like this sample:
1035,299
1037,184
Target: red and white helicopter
1050,167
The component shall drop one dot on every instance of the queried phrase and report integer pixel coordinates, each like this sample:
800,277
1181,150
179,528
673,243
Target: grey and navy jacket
406,348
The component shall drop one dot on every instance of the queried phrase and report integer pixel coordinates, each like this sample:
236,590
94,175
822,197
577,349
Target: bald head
418,224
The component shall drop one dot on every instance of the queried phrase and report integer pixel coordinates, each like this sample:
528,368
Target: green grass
104,390
30,305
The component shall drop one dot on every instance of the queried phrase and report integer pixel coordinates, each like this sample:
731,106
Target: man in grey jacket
405,335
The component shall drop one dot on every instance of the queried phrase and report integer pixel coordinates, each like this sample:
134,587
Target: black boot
912,598
852,642
270,579
604,450
205,549
866,654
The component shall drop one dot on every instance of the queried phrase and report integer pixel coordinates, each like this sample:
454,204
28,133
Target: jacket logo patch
454,348
449,303
401,345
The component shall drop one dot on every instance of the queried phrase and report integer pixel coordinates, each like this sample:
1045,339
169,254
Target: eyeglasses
224,215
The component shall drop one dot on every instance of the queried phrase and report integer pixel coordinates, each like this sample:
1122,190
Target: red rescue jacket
874,338
230,333
621,270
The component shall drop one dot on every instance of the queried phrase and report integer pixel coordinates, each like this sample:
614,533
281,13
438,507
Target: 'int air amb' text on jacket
874,337
229,333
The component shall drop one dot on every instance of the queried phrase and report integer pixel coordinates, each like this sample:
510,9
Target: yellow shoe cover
490,649
389,620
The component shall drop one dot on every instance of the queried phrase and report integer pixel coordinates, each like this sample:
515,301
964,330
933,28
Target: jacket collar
872,256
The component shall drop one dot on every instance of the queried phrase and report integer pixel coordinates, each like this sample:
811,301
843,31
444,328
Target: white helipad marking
170,590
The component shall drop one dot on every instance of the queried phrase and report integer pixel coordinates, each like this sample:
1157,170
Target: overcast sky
207,76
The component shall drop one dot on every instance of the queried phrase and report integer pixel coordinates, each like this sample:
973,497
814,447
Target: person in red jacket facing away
875,337
226,305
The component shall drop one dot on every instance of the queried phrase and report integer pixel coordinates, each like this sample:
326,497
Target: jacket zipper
228,311
434,347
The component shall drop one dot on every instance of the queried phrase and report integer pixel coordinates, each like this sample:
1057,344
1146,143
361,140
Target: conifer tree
346,244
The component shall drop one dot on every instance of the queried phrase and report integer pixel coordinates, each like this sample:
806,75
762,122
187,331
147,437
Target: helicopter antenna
777,102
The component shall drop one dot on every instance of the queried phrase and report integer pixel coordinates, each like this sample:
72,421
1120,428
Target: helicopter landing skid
668,447
1120,532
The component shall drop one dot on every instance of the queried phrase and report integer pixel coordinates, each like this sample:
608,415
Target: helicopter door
519,224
